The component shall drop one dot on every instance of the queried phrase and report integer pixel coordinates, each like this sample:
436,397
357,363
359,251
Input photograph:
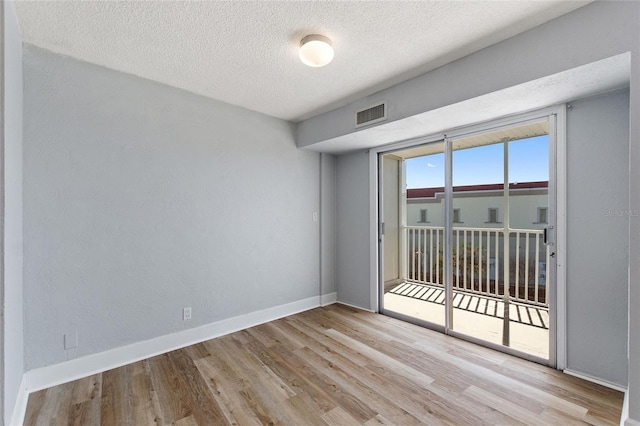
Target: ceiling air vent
371,115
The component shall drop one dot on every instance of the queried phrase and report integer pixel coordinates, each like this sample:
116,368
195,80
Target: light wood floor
332,365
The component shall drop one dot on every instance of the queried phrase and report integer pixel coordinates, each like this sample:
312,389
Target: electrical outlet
186,314
315,217
71,340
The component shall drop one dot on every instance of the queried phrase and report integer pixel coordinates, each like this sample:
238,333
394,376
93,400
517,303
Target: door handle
545,235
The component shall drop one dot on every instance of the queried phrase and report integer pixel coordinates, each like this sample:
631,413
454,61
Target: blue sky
528,161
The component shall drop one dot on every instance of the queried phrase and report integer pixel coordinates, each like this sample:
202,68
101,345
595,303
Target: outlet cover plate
186,314
71,340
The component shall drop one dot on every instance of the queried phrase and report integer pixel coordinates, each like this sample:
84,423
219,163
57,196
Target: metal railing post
507,248
448,220
430,239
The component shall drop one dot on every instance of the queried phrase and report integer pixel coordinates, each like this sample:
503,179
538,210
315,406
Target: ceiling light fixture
316,50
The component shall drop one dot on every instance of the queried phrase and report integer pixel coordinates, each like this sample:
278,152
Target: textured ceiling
245,53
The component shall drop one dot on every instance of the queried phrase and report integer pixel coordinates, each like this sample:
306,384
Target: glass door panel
477,238
499,259
419,293
528,254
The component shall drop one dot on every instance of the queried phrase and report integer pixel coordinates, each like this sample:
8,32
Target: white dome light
316,50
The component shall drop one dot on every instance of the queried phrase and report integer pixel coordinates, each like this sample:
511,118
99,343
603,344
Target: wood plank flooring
328,366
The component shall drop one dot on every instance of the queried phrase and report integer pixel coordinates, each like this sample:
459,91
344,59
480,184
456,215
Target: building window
423,216
493,215
456,216
542,215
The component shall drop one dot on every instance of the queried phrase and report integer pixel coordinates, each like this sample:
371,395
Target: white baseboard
45,377
328,299
595,380
624,418
354,306
625,409
20,408
631,422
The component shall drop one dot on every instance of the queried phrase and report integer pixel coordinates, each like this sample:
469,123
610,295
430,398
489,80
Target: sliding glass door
471,223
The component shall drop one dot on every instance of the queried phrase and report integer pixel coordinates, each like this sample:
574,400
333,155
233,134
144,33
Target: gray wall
353,229
13,365
327,224
597,236
141,199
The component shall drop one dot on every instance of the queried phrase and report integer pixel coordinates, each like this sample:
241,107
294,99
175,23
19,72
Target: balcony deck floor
475,316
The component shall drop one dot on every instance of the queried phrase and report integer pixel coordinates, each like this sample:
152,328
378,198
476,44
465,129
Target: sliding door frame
556,116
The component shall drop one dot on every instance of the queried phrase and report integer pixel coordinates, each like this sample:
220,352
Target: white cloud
430,165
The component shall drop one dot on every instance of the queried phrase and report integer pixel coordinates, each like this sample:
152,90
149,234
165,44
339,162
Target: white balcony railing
477,260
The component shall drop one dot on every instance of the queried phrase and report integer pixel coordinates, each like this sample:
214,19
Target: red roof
431,192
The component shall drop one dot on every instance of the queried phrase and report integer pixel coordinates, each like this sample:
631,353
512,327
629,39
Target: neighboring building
481,206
